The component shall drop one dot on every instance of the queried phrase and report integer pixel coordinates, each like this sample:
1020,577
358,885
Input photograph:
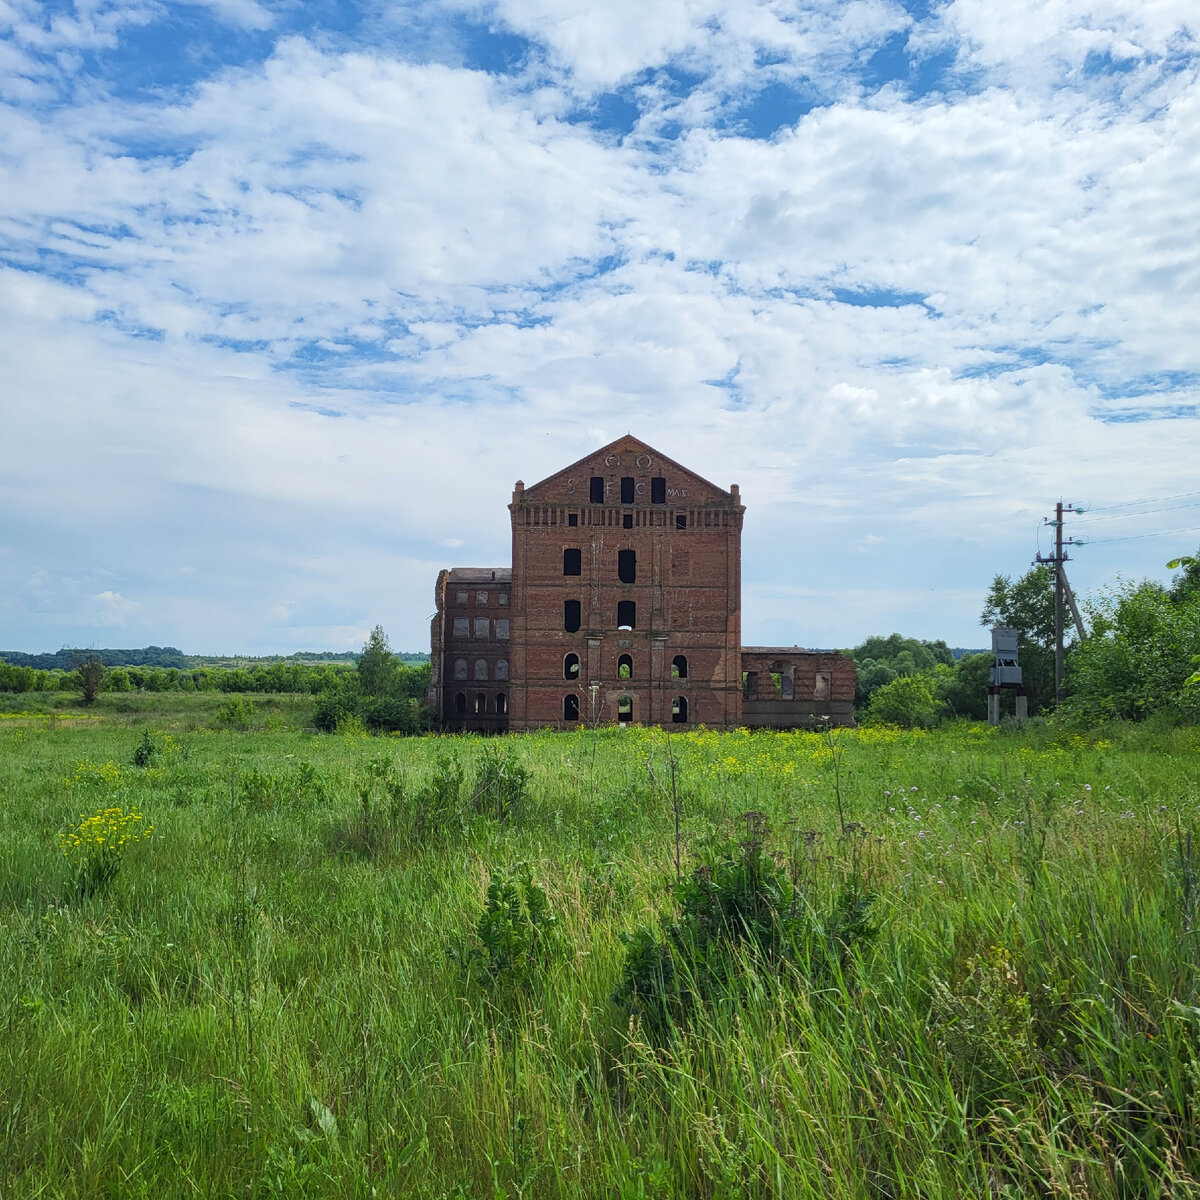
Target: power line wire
1150,512
1146,500
1134,537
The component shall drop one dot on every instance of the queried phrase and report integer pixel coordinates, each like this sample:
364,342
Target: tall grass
269,998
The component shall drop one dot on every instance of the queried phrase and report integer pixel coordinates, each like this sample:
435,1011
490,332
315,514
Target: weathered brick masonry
623,604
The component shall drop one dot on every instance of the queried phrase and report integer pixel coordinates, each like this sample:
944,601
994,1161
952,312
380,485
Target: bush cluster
740,910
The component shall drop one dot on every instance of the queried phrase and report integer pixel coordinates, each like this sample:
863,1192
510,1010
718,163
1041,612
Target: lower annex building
622,604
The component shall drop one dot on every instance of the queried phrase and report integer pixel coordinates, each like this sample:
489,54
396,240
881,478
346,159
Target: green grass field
287,989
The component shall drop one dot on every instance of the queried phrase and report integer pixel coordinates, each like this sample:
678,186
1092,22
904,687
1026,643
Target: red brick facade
623,604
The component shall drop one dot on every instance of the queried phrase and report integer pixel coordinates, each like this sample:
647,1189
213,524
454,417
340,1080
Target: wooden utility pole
1062,593
1058,603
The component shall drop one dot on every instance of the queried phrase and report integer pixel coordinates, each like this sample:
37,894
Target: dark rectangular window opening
597,489
681,520
626,614
571,616
658,490
749,685
627,520
572,519
627,489
627,566
572,562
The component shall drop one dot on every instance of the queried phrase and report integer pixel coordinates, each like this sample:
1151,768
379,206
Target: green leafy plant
514,934
147,752
501,782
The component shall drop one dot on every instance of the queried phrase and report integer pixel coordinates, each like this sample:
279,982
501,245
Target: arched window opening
460,668
481,671
626,614
627,566
625,666
571,707
625,710
501,704
572,561
679,667
460,703
571,666
502,669
679,710
480,704
571,616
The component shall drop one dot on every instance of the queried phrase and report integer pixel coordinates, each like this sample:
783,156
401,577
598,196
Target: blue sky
291,294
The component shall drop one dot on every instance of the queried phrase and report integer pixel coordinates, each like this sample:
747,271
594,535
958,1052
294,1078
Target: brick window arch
679,710
460,703
625,710
481,670
625,666
460,668
570,707
679,667
571,666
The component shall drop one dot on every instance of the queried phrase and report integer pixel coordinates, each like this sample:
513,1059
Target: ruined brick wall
625,537
789,688
471,641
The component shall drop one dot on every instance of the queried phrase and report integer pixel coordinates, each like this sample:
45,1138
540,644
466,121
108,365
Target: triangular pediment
627,457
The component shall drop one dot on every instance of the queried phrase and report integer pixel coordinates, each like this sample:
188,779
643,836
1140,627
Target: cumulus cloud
294,326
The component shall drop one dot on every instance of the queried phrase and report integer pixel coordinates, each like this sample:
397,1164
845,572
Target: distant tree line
291,677
67,660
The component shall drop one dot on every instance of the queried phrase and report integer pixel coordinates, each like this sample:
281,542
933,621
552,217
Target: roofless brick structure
623,604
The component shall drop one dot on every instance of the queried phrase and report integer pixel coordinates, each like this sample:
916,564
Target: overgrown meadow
263,963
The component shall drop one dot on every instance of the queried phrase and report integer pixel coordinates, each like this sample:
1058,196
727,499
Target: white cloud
111,608
486,290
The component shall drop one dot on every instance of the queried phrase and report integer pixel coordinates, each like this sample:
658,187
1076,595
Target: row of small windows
626,564
679,709
481,669
535,515
626,615
658,489
679,666
463,598
480,707
482,628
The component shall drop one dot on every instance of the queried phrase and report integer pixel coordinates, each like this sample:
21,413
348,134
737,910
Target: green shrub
738,911
236,713
908,702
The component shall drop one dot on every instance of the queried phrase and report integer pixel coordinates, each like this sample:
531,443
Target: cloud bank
286,304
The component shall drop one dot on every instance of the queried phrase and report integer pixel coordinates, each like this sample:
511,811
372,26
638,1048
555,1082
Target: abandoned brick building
622,604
